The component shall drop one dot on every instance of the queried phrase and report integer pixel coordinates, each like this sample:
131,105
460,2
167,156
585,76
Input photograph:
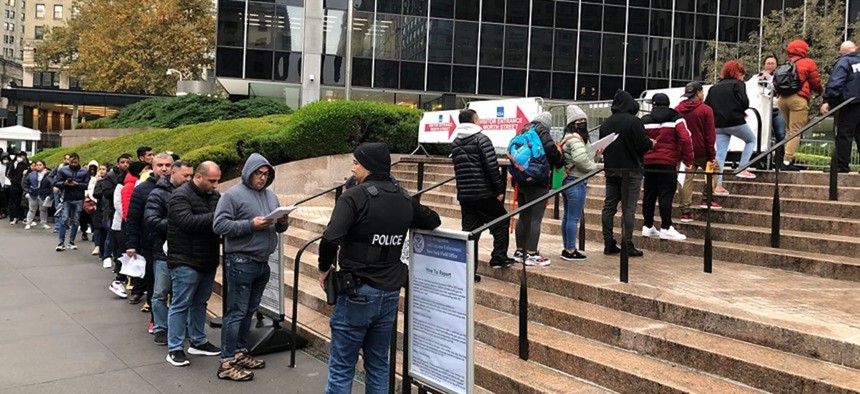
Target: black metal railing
776,216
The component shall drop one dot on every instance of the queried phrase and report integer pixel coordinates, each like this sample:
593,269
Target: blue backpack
529,164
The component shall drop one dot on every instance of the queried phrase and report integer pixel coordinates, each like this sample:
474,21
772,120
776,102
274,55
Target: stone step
805,315
754,365
803,252
495,370
764,204
817,178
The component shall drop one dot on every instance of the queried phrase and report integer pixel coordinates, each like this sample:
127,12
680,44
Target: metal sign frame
276,274
418,377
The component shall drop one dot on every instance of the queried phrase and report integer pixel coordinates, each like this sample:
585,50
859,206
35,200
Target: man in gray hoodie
249,240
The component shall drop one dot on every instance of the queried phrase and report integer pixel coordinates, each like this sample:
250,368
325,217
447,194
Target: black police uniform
369,223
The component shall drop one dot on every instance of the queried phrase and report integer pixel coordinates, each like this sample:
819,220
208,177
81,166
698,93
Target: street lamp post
171,71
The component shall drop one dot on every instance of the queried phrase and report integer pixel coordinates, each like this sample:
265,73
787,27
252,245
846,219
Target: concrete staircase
766,320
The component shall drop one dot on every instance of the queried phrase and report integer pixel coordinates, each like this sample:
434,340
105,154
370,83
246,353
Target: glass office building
414,52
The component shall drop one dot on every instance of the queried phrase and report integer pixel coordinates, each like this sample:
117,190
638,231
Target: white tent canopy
20,133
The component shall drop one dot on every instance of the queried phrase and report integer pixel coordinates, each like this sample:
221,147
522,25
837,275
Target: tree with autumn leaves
128,45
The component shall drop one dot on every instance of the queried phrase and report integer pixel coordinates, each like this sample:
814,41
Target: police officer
844,83
369,225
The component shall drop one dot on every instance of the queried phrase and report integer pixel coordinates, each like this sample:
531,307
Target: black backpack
785,79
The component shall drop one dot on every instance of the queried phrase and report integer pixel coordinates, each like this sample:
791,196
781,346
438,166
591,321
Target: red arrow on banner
522,120
452,127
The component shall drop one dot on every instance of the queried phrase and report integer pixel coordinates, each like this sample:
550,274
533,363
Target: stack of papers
133,266
280,212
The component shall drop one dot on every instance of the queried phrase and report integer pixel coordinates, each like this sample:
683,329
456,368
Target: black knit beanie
136,168
374,156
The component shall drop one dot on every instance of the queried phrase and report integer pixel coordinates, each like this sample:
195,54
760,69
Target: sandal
234,372
248,362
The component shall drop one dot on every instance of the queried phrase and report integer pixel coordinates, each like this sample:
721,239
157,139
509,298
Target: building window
58,11
74,84
46,80
39,32
40,11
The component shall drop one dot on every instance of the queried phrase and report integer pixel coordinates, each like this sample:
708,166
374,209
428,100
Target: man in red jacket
699,118
795,107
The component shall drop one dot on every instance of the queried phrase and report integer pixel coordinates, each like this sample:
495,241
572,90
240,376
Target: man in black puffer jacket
193,255
480,185
155,222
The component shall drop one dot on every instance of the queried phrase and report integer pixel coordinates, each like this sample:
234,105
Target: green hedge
186,110
335,127
206,141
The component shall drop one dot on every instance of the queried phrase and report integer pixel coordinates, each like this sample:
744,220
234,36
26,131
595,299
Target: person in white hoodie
480,185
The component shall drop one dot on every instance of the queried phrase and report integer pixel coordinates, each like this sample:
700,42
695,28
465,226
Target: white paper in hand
604,142
280,212
134,267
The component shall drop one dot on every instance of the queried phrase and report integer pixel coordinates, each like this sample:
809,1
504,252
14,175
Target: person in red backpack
795,107
668,128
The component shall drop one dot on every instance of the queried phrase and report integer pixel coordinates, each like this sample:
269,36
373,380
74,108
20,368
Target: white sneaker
27,227
117,288
107,263
14,222
650,232
672,234
46,227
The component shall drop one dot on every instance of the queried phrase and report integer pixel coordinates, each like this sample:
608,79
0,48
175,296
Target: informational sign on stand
272,304
441,310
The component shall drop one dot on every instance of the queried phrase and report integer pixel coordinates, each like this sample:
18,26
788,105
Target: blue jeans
574,201
724,136
71,210
106,251
191,292
362,321
246,280
161,276
778,125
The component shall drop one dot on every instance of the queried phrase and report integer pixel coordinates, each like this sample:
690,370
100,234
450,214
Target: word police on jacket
387,240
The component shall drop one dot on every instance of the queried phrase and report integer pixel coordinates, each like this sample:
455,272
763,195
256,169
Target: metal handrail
814,122
297,265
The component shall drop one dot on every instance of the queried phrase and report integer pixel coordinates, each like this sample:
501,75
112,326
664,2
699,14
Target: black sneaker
72,246
161,338
206,349
177,358
477,278
611,249
788,167
633,252
565,255
136,299
502,264
60,247
84,237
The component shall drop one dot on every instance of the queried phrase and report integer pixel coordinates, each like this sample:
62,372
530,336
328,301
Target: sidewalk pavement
62,331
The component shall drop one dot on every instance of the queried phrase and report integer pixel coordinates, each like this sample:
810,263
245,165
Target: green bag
557,177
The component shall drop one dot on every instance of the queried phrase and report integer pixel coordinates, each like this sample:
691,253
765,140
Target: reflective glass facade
556,49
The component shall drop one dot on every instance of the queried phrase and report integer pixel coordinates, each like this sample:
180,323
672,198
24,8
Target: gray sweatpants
534,215
37,203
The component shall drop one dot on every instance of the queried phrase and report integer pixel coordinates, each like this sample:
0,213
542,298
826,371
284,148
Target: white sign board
758,100
441,310
272,304
500,119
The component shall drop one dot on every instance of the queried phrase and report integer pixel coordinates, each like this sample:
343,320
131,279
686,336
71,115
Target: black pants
478,213
85,221
614,194
118,245
847,131
659,186
16,210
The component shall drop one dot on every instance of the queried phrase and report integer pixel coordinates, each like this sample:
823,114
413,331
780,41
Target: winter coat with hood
113,178
728,98
234,216
15,171
94,179
578,156
138,236
190,239
807,70
475,165
625,152
699,118
844,81
80,175
155,216
38,188
668,128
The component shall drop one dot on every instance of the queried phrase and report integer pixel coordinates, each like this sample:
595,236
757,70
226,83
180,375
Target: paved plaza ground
61,330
